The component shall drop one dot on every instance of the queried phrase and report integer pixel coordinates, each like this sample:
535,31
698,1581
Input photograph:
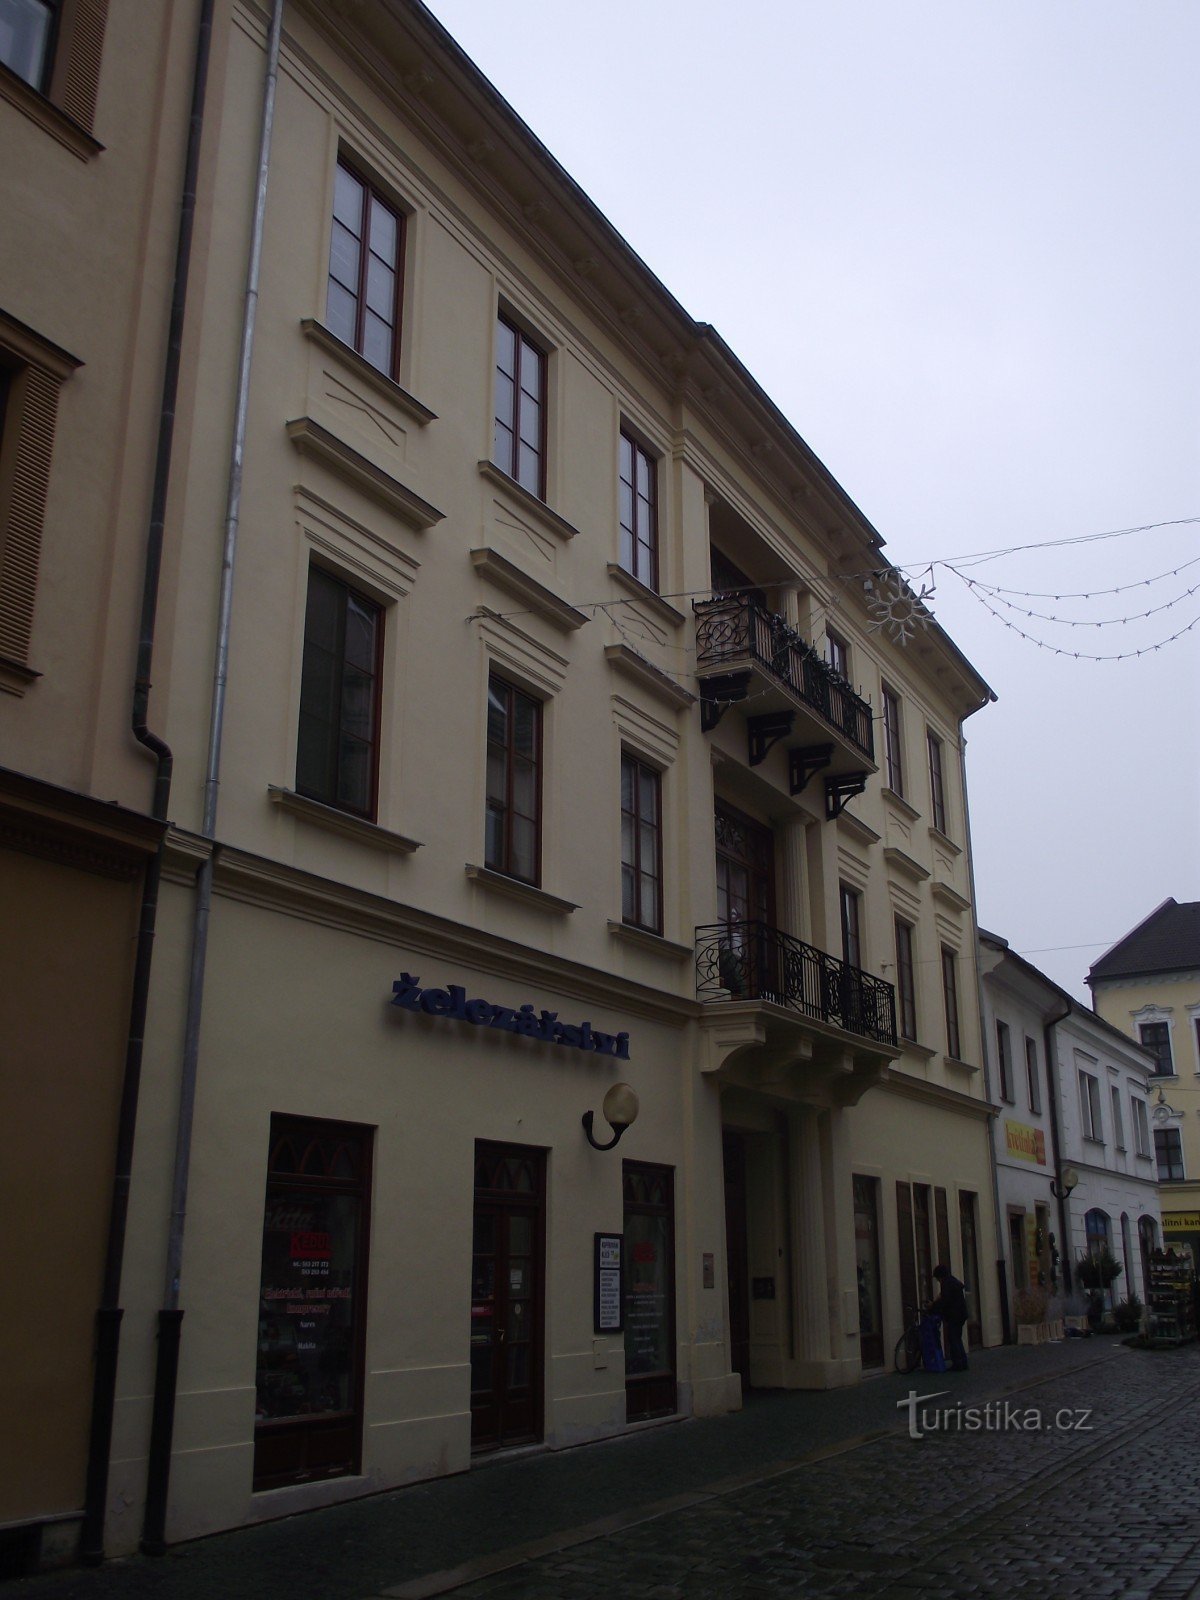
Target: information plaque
608,1293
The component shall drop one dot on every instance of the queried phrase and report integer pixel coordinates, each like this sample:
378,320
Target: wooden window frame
950,998
330,795
1033,1077
525,347
1118,1117
650,920
906,980
1168,1152
1142,1143
63,101
850,915
638,453
1090,1113
839,654
893,748
937,786
1161,1048
505,864
372,196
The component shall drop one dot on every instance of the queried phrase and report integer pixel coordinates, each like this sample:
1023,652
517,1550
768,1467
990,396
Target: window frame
937,785
638,451
1091,1117
839,653
505,867
950,1002
1168,1144
522,341
642,772
906,980
892,738
63,100
369,811
1004,1060
53,10
1033,1076
1156,1048
1142,1144
1118,1118
373,195
850,914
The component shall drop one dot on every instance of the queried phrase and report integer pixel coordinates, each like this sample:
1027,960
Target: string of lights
1087,594
1078,655
1083,622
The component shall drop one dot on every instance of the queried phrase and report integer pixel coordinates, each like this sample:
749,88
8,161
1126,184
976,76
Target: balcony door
745,902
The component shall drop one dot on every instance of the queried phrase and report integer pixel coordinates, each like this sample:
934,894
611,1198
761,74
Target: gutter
1052,1086
170,1316
109,1313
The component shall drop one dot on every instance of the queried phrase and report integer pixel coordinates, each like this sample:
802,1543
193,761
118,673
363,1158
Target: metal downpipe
171,1316
109,1313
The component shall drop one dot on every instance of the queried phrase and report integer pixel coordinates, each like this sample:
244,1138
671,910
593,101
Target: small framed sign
608,1277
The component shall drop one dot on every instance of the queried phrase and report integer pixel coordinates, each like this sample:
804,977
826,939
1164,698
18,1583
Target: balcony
744,652
754,961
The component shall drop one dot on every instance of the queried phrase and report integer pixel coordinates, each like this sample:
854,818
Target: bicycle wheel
908,1351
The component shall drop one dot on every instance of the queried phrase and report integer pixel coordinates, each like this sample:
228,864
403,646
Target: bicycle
908,1346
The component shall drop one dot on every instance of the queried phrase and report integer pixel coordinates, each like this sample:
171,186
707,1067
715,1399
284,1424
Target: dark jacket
952,1302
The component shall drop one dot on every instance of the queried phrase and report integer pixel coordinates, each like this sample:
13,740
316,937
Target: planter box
1033,1333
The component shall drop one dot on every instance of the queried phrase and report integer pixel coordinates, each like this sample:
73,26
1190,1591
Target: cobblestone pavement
1005,1503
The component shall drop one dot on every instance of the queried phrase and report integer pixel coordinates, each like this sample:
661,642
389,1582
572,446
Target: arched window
1098,1227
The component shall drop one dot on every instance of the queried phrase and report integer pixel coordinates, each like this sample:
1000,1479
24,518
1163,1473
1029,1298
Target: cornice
506,575
311,439
634,665
289,891
895,1081
55,824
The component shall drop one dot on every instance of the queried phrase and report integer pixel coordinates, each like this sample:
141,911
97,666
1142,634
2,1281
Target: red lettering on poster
312,1246
643,1252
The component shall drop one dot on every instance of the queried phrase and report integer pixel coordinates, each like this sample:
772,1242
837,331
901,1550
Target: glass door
507,1296
866,1250
649,1291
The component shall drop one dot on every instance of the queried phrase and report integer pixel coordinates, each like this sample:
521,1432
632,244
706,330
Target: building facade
1148,986
539,724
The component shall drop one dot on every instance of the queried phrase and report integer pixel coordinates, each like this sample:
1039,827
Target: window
1141,1126
641,845
937,790
1089,1105
31,374
519,442
27,29
1156,1037
338,746
950,995
891,740
1118,1121
514,739
639,511
1004,1060
906,989
1168,1148
366,251
851,941
839,654
1033,1079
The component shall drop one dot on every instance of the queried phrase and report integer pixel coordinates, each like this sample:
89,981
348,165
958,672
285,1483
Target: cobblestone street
1102,1509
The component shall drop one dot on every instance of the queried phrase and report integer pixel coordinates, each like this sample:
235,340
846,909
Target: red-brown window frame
637,453
950,996
937,788
850,910
373,196
497,680
525,347
906,988
368,811
891,740
642,774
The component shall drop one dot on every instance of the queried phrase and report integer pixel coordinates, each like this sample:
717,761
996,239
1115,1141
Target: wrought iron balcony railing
735,628
754,961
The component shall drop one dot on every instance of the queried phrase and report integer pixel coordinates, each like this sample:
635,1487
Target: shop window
366,263
638,490
641,845
519,439
312,1302
866,1252
337,754
649,1290
514,754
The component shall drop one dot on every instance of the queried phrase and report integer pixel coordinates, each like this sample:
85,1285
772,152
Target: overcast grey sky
958,242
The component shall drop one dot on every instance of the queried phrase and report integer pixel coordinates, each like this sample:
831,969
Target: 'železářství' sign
452,1003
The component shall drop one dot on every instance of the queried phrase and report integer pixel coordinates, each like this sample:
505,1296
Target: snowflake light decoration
896,608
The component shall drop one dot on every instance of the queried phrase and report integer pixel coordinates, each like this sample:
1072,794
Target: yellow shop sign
1180,1221
1027,1144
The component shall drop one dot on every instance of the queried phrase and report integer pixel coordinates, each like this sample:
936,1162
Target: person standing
951,1306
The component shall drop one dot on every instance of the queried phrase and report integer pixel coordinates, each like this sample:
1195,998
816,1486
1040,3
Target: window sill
900,804
335,821
643,939
312,440
949,896
528,893
649,597
362,368
944,839
506,575
634,665
902,862
558,526
912,1047
15,676
1090,1138
73,135
960,1066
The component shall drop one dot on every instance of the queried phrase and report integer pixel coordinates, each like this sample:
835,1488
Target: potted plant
1128,1314
1099,1269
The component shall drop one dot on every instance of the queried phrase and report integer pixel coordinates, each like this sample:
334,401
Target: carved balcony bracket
717,694
765,733
840,791
805,762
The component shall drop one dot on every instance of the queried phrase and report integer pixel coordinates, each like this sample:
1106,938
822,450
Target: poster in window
647,1314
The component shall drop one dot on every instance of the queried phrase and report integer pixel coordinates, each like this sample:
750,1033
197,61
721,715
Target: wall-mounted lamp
620,1109
1070,1180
